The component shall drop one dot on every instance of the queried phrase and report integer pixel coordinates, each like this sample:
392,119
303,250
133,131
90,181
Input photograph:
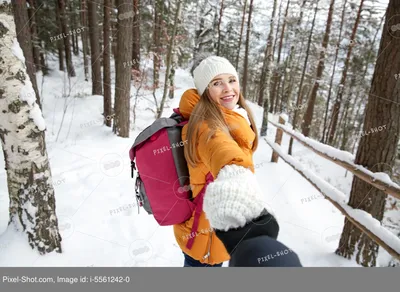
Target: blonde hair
209,111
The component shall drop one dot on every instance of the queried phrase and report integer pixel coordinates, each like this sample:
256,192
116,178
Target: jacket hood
188,101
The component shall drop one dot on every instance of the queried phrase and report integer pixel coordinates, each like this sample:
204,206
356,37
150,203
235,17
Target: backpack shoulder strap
198,201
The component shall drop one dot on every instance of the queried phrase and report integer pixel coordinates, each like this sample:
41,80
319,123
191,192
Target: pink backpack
162,182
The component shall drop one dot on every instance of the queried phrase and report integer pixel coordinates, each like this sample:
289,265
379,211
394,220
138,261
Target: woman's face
224,89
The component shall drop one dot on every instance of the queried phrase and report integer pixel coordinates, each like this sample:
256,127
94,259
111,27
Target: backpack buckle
133,167
139,201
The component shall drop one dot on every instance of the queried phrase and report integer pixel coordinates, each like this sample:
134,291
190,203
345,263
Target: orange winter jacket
214,154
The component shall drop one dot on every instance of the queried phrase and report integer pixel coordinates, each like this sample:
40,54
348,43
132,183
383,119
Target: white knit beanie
209,68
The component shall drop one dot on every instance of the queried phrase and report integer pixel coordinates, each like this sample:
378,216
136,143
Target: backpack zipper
209,246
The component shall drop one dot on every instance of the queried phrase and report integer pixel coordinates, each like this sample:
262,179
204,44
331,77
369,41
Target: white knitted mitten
234,198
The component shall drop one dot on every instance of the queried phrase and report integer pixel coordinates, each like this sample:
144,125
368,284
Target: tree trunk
95,47
300,95
308,116
246,55
288,93
324,131
265,79
241,35
107,107
169,57
363,76
158,15
342,84
72,10
65,35
221,11
276,80
24,39
136,37
32,203
84,37
377,149
123,73
34,33
60,46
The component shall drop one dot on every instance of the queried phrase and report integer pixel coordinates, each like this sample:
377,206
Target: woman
222,137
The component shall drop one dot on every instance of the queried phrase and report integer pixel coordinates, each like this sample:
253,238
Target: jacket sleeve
220,150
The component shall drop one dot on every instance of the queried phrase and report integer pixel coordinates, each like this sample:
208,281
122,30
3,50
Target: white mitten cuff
234,198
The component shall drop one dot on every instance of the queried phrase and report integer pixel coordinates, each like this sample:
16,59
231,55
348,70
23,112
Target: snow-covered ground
95,204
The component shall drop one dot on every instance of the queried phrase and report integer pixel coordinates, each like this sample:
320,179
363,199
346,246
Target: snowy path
97,212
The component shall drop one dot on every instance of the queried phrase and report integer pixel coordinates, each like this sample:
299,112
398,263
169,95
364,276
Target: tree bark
72,10
84,37
136,37
246,55
32,206
123,73
65,36
308,116
336,107
265,79
95,48
279,70
300,92
24,39
265,76
277,75
60,46
34,33
241,35
324,131
158,20
221,11
107,107
377,149
169,57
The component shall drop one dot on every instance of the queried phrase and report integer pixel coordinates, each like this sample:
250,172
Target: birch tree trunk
32,202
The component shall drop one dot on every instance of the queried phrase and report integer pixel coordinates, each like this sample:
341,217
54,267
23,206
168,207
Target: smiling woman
221,137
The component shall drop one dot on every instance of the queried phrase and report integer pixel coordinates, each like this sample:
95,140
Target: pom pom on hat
208,69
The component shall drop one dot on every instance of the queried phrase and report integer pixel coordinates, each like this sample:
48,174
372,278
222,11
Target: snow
17,51
28,94
95,204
